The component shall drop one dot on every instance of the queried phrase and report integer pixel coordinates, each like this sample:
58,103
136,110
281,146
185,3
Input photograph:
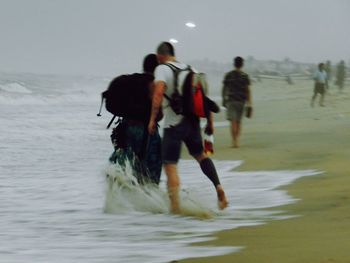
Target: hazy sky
104,37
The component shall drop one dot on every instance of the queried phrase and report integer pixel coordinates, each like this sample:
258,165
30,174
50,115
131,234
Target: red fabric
198,105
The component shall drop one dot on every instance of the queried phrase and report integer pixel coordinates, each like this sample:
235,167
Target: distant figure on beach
178,128
131,138
328,69
289,80
236,94
341,74
320,78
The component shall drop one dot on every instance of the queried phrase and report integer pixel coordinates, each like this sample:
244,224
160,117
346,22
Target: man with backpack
179,126
130,98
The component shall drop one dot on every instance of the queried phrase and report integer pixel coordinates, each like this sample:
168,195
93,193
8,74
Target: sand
287,134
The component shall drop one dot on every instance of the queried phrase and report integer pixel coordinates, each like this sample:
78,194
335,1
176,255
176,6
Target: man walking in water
320,78
235,94
178,128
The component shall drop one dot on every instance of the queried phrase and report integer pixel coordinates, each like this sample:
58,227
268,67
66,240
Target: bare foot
222,201
235,145
175,210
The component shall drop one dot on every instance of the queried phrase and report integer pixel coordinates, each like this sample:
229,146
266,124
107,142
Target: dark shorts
234,110
319,88
187,131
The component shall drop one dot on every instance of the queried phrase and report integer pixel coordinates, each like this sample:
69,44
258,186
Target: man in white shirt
320,78
178,128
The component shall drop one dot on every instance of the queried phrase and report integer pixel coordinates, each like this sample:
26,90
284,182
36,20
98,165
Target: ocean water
57,205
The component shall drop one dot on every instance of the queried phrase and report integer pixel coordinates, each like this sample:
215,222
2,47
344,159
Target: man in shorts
178,128
341,75
320,78
235,95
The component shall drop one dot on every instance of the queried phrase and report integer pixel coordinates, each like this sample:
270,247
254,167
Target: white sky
104,37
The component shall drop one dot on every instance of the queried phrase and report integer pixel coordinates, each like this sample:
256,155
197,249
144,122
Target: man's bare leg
313,99
235,127
209,170
222,201
232,132
173,183
238,132
322,100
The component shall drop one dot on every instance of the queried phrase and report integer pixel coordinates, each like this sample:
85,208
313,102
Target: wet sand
287,134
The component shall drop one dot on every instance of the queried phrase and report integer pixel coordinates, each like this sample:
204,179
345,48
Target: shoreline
290,135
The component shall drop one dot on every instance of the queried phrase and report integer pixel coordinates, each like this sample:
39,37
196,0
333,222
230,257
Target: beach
287,134
79,130
58,204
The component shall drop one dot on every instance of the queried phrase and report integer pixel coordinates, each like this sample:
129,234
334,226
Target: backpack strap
176,71
102,98
167,97
110,123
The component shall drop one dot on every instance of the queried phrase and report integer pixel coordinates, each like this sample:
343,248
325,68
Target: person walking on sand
340,75
328,69
178,128
320,79
236,94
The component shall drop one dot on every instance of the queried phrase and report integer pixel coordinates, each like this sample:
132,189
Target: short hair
238,62
166,48
150,62
320,65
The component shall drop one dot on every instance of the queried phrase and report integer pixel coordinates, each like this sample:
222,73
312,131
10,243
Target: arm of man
249,97
209,129
156,104
224,92
249,109
249,93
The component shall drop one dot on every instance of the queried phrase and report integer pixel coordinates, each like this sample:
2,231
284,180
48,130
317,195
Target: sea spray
124,193
53,213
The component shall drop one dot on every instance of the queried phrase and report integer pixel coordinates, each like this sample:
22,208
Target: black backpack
126,96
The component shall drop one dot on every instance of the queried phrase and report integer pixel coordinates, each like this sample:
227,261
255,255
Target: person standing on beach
340,75
328,69
178,128
236,94
320,79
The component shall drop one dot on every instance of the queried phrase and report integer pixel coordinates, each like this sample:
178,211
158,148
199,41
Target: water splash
124,193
